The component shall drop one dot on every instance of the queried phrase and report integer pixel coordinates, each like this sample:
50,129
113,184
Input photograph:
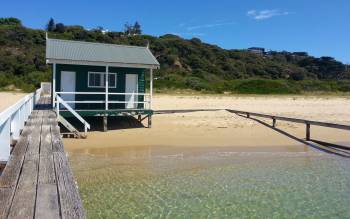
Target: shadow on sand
114,123
129,122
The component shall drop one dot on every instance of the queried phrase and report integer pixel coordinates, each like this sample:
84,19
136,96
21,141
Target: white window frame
104,83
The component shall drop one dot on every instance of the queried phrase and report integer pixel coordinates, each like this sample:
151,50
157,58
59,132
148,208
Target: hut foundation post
274,122
105,123
307,132
139,118
149,121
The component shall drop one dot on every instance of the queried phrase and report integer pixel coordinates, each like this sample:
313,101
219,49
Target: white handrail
70,109
12,122
146,101
102,93
102,101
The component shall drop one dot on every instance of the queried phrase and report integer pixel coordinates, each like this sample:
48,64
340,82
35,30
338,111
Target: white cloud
210,25
266,14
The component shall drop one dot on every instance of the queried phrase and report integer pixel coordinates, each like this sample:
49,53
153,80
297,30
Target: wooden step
70,127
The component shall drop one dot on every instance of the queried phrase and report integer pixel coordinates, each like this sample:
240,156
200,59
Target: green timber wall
81,84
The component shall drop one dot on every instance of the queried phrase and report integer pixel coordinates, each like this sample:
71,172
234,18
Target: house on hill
95,79
257,50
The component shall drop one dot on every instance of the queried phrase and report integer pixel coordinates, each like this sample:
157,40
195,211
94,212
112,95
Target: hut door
68,85
131,88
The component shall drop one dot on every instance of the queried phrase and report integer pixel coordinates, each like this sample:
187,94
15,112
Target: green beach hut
96,79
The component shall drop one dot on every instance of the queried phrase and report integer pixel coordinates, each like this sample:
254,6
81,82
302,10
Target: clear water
157,183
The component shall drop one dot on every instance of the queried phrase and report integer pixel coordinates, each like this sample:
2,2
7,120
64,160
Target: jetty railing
147,100
307,123
12,121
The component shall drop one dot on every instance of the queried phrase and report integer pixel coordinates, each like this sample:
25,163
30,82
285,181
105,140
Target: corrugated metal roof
98,52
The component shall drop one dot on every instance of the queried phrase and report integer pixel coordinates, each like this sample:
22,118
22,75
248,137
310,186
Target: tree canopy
184,63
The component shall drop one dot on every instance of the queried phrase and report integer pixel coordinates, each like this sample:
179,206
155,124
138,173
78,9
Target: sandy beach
8,98
223,129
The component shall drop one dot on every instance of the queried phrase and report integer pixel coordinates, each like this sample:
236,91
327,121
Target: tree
128,29
137,29
10,21
51,25
132,30
60,28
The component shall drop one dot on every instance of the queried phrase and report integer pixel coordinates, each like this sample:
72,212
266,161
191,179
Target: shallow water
158,182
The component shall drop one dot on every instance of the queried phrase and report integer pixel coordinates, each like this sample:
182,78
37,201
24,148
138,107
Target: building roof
88,53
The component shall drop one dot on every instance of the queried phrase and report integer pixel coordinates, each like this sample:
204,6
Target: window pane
92,79
97,80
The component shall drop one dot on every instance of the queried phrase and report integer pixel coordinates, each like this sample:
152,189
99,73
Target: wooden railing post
5,140
57,106
15,125
308,131
274,122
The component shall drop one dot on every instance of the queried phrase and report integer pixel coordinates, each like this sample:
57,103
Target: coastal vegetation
185,63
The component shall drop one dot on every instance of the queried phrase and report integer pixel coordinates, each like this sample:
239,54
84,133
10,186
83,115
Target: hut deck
37,181
110,112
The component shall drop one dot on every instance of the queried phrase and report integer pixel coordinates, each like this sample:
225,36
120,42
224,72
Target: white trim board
94,63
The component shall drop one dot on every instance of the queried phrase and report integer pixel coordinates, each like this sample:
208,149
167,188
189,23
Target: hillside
185,64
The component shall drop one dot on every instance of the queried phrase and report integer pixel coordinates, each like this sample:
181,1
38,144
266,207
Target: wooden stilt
105,124
149,121
139,118
274,122
308,132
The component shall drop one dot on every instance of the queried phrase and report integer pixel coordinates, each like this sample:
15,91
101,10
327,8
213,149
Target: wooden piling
105,124
149,121
308,131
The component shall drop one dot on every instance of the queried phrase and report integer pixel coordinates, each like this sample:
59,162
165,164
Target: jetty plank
5,201
46,171
47,203
37,181
69,196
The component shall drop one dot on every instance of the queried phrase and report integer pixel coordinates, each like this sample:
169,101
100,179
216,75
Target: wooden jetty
37,181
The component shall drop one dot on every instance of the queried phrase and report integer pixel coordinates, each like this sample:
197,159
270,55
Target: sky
319,27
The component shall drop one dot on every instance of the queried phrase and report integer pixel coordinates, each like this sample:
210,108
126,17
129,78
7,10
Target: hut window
97,80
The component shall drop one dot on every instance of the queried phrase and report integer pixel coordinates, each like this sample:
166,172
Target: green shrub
197,84
265,87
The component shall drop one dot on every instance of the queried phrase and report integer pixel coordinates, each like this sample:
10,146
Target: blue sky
321,28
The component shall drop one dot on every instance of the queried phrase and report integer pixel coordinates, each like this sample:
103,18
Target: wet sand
7,99
223,129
